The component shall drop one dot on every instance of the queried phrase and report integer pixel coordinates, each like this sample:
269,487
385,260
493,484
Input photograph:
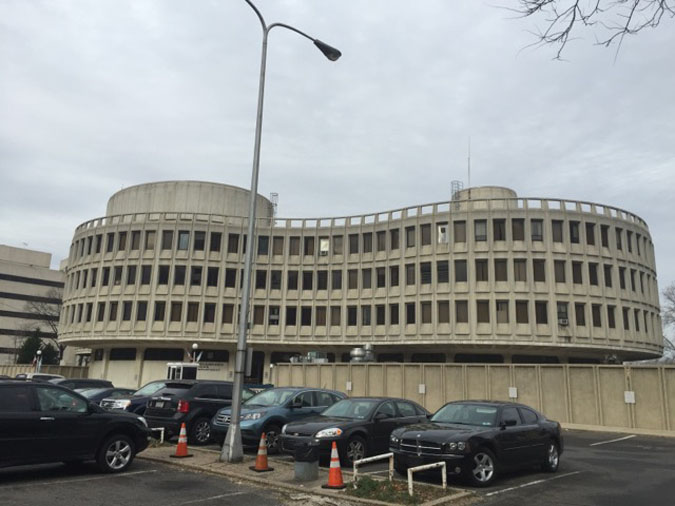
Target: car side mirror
380,416
296,403
509,422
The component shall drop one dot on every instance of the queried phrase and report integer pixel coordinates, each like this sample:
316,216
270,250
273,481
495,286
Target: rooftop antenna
274,199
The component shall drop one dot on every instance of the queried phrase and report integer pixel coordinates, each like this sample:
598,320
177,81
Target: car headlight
251,416
122,404
332,432
454,447
142,420
283,429
394,440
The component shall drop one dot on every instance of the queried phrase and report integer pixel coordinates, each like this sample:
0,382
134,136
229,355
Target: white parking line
612,440
536,482
195,501
77,480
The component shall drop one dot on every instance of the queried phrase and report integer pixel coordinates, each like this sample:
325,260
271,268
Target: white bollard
412,470
357,463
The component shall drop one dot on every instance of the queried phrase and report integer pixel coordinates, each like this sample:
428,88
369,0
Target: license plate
159,404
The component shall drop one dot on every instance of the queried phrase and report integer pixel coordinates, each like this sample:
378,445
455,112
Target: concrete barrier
69,371
616,397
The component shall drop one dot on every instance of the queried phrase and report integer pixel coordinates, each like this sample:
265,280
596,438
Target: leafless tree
47,310
611,20
668,316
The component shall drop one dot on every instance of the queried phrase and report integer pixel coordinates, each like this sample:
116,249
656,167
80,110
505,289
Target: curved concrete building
487,277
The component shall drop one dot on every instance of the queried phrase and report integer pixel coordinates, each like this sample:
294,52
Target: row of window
498,311
368,278
365,242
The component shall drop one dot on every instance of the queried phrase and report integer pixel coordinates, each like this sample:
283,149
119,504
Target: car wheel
200,431
116,454
482,469
400,467
355,450
272,435
552,459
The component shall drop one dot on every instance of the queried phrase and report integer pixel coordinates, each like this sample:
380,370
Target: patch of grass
394,492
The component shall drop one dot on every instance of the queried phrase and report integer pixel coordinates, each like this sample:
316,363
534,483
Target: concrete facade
25,278
488,277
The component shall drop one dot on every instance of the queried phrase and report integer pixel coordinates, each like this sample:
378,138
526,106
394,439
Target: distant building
486,277
25,278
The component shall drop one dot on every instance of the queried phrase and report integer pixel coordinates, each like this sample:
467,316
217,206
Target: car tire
552,457
200,432
355,449
400,467
272,433
482,468
116,454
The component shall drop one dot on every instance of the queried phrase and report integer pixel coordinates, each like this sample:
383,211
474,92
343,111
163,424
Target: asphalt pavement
145,484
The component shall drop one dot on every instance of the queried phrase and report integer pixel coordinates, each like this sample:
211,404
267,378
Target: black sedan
360,426
479,439
98,394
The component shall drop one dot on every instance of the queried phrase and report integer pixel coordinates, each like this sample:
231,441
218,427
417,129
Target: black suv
136,402
41,423
193,402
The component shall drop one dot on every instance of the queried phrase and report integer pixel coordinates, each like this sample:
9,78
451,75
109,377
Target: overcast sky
97,96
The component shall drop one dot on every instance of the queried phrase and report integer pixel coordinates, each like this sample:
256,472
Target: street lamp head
195,346
329,51
39,352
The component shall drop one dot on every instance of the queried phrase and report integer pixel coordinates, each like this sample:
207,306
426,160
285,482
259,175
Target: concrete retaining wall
69,371
591,396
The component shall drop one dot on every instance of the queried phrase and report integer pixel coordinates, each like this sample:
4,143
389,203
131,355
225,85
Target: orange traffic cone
182,448
261,459
335,472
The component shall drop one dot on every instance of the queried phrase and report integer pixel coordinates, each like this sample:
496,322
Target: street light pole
232,450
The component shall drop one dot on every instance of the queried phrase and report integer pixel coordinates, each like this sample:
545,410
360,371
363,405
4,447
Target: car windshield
272,397
150,388
91,392
173,389
356,409
467,414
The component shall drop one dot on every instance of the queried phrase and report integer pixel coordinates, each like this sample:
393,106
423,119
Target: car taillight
183,406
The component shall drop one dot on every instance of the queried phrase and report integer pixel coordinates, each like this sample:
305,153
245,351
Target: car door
323,400
407,414
384,420
301,406
19,424
210,399
537,436
68,429
512,439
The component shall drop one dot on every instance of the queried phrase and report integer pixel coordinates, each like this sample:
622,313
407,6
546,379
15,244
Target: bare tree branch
47,310
668,309
611,20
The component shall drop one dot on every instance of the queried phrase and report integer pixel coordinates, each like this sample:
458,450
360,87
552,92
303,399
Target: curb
285,487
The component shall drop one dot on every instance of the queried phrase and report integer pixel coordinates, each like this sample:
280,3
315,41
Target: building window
150,239
110,243
99,242
537,230
260,279
611,322
410,274
595,315
501,273
263,245
459,231
425,273
636,312
94,275
604,235
167,239
393,314
122,241
277,246
338,247
212,276
379,314
335,316
215,241
520,269
539,270
307,281
561,311
522,312
228,313
502,308
626,318
353,244
393,239
629,241
590,234
499,229
632,280
324,246
160,307
381,276
580,314
410,313
200,241
425,234
117,275
309,246
442,233
480,230
393,275
131,275
518,229
259,315
351,316
409,237
425,309
209,313
608,275
593,273
352,279
460,271
292,280
366,279
443,311
90,309
146,274
462,311
482,311
141,311
196,275
112,316
321,316
273,316
365,316
574,232
442,271
576,273
176,312
367,242
322,280
622,277
183,240
618,233
541,312
559,271
481,270
193,312
336,280
230,278
557,230
233,243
